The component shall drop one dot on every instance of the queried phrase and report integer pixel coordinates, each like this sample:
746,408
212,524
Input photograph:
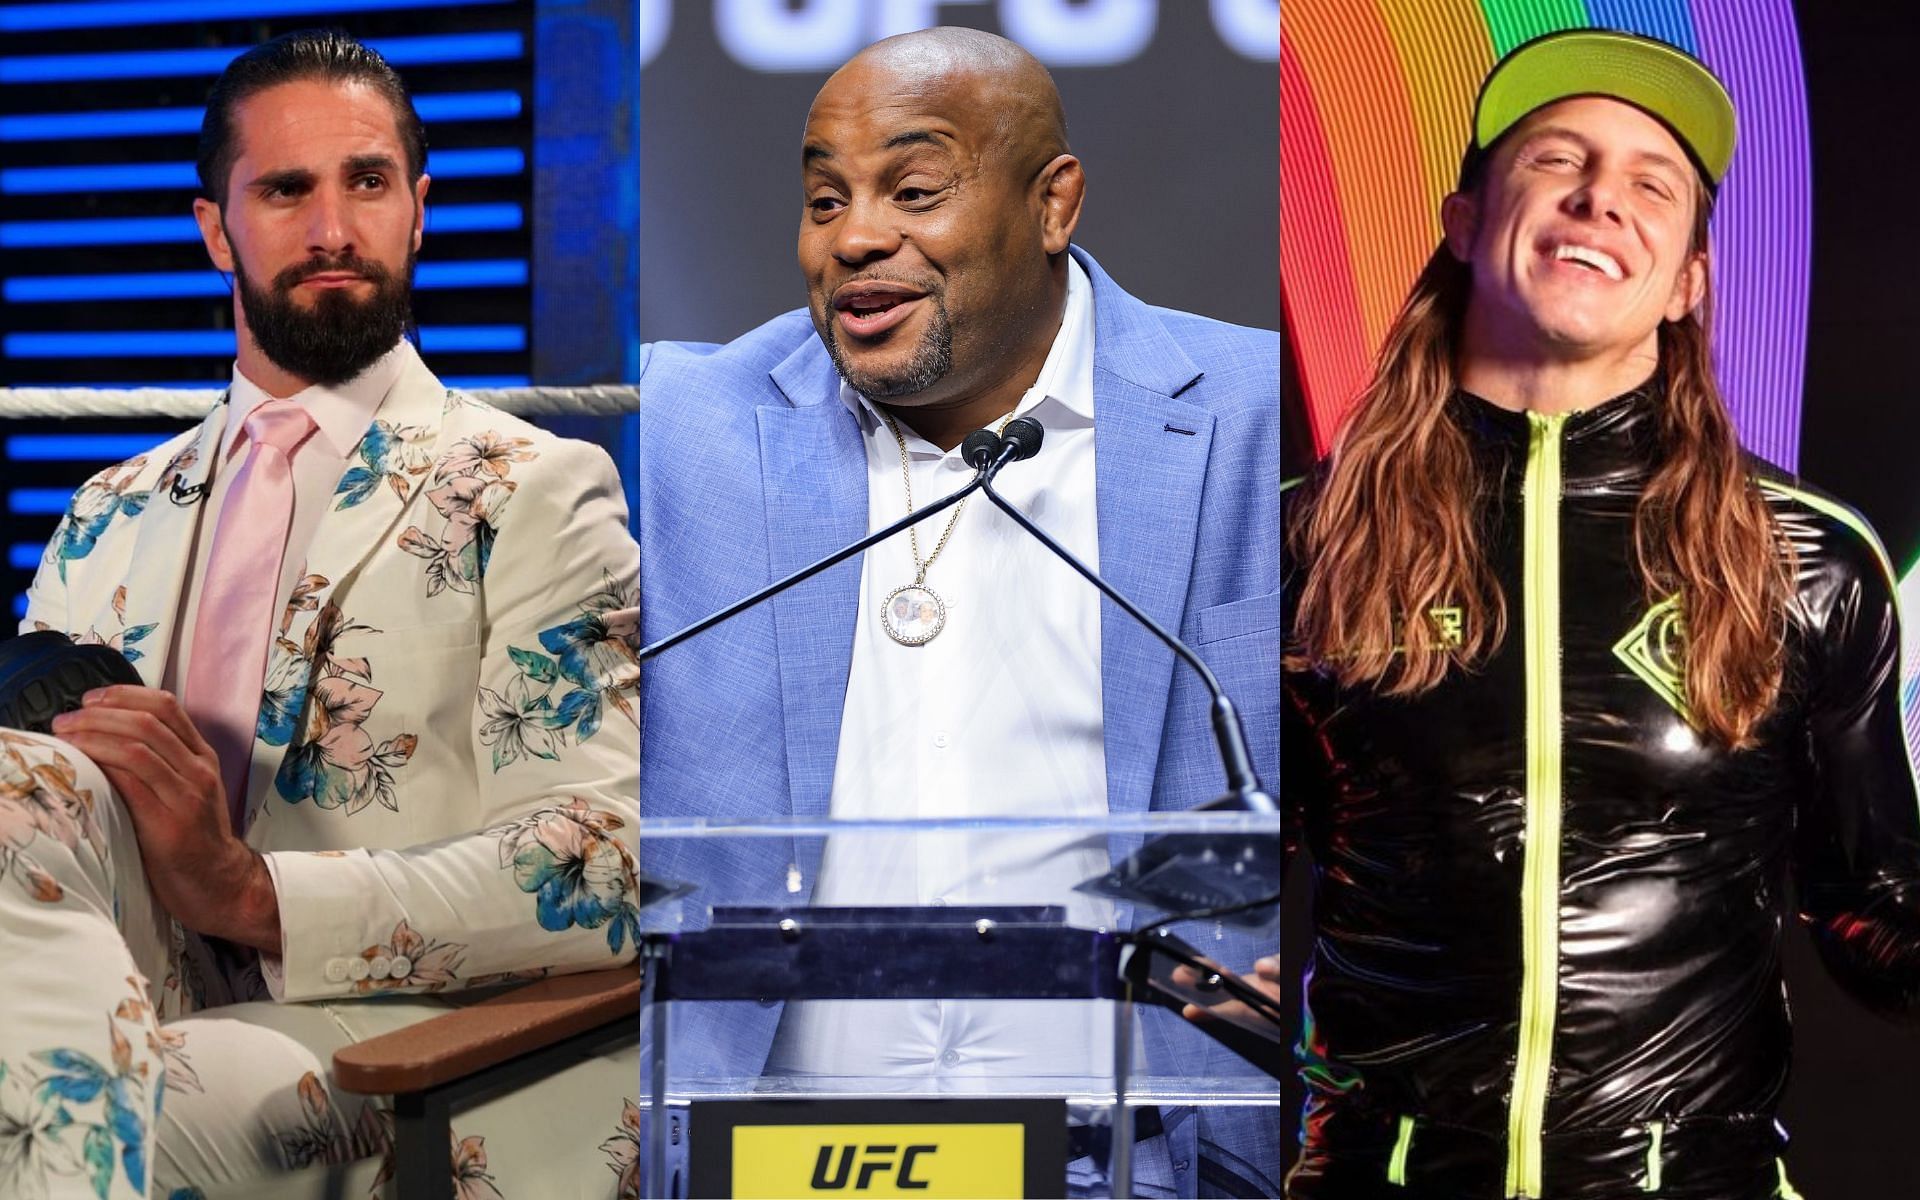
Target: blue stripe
77,447
473,218
20,607
158,176
146,122
38,502
1667,20
218,343
25,556
59,289
100,15
162,64
130,231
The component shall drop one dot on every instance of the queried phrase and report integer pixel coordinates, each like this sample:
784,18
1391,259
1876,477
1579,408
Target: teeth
1604,263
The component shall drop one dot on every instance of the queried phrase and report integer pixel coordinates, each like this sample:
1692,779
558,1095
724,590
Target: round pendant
913,615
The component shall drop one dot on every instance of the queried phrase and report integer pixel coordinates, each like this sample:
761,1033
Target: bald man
939,201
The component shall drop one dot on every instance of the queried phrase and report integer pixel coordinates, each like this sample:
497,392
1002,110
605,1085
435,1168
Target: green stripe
1655,1132
1786,1189
1287,485
1540,880
1511,22
1846,516
1397,1165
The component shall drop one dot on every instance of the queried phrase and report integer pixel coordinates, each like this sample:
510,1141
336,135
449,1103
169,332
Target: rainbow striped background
1375,101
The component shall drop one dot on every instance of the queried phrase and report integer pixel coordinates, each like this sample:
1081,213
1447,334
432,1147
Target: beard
931,360
338,336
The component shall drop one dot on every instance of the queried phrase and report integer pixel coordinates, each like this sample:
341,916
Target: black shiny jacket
1547,915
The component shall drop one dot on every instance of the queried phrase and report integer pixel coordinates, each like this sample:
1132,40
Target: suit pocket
1237,618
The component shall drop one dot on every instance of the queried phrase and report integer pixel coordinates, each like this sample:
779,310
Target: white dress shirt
341,416
998,715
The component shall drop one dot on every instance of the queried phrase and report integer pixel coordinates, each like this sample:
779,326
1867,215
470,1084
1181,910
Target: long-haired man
1577,690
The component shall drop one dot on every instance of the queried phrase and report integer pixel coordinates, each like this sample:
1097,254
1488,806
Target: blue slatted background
103,280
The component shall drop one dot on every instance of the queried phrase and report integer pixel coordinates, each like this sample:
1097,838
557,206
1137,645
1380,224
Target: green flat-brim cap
1663,80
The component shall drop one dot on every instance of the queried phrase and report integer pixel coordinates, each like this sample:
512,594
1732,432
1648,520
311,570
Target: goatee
337,337
931,360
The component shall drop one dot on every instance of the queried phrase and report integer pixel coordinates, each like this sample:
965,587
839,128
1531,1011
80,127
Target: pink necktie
233,628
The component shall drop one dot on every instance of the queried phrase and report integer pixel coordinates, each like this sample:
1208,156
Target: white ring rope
595,400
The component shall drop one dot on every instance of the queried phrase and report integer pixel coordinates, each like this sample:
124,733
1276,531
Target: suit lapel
814,483
381,485
383,478
164,546
1150,470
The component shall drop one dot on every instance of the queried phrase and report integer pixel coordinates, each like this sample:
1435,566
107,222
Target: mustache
928,286
320,264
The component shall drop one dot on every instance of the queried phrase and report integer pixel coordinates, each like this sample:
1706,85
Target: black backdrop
1855,1095
1180,145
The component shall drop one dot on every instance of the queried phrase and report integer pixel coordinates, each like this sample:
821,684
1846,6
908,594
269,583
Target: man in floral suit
422,611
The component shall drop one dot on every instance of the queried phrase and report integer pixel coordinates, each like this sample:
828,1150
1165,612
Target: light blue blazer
751,467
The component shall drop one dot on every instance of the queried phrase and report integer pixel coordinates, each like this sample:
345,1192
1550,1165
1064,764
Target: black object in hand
43,674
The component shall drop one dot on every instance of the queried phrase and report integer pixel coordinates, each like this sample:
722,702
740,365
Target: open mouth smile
1588,258
869,308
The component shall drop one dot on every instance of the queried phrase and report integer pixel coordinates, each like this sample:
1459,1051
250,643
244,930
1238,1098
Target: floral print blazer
445,770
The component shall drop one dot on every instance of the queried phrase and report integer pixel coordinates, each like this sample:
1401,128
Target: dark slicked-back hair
324,54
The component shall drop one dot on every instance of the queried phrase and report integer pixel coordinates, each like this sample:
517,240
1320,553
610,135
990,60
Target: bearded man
1577,691
385,743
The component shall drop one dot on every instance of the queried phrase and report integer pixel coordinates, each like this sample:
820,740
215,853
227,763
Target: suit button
357,969
336,970
401,967
380,967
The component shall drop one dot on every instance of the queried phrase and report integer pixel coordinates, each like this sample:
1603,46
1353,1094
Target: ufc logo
873,1161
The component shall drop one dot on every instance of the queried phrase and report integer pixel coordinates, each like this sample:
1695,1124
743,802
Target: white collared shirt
1000,714
341,416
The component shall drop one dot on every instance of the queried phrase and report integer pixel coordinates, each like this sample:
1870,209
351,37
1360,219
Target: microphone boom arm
1242,780
807,572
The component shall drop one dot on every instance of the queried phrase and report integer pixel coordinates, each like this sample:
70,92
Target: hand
169,779
1265,979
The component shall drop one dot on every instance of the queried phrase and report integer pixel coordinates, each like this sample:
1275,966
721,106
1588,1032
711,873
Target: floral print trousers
110,1087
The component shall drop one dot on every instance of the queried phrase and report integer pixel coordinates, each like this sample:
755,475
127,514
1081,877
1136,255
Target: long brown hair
1392,530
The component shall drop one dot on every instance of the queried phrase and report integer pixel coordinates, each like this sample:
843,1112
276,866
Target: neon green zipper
1402,1144
1540,880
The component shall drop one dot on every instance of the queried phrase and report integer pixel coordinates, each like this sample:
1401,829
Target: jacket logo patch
1655,650
1449,625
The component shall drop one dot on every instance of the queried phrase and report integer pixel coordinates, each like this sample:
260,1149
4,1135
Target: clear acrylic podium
954,1007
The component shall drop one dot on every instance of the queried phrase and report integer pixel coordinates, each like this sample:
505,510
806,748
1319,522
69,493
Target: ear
213,232
1060,187
1689,287
1459,222
420,210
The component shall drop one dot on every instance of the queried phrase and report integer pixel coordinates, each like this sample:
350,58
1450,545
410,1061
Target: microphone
980,448
984,450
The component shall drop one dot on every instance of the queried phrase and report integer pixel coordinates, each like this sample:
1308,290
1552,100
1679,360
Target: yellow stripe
1540,879
1445,51
1654,1133
1397,1165
1786,1188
